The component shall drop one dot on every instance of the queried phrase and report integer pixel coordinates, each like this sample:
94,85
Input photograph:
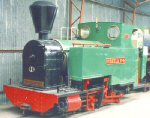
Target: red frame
38,101
111,97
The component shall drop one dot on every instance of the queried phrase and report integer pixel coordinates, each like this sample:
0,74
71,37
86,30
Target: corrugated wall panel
10,69
103,13
109,14
16,23
140,19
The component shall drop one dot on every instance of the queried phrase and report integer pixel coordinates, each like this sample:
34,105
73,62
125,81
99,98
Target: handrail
96,45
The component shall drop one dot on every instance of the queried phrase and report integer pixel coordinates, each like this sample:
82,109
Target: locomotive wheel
26,113
61,108
118,92
146,87
127,90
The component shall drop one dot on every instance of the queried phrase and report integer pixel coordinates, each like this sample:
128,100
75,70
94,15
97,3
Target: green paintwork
90,62
143,67
101,33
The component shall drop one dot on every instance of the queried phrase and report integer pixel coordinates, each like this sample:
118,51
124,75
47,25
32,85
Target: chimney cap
43,3
43,15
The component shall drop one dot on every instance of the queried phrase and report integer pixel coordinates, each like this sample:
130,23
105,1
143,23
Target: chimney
43,15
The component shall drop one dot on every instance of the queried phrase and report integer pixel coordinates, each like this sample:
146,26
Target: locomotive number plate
110,61
33,83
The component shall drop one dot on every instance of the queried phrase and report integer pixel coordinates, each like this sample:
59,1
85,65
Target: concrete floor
134,105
